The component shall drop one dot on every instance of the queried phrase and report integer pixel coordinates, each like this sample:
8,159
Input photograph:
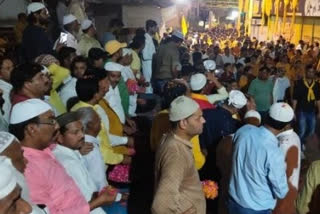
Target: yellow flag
184,26
286,2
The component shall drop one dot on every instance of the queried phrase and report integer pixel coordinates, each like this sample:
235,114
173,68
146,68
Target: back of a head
85,115
280,115
66,118
171,91
65,52
115,23
23,73
87,88
150,23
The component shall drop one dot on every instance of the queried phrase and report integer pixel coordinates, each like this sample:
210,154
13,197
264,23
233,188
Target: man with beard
177,185
34,124
35,39
29,80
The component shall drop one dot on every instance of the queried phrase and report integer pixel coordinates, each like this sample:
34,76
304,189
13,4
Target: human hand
86,148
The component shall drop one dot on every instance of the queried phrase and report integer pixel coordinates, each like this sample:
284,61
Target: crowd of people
102,126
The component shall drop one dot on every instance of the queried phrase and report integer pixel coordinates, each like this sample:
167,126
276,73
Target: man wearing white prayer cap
34,124
10,191
11,149
71,29
267,182
198,83
175,171
35,39
88,40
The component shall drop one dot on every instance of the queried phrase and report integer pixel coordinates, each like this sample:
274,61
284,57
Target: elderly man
71,29
256,189
33,123
10,148
10,191
88,39
177,185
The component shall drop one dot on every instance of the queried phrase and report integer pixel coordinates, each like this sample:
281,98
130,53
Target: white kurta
114,100
279,89
71,42
147,53
95,163
68,90
74,165
287,140
6,89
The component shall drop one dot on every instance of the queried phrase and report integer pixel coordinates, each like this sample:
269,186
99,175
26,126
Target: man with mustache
70,140
29,80
34,124
35,39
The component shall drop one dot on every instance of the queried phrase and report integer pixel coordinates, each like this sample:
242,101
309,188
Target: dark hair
23,73
21,15
76,60
3,58
265,68
140,32
68,27
171,91
308,67
87,88
137,42
115,23
276,124
150,23
96,73
18,129
226,65
65,52
66,118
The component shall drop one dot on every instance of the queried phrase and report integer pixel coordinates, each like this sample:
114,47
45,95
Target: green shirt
124,95
262,93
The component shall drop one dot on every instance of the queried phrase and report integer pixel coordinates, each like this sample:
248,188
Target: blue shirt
258,175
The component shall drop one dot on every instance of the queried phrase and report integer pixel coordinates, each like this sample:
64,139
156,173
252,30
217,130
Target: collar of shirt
5,85
91,139
17,98
185,142
36,153
269,134
285,133
69,152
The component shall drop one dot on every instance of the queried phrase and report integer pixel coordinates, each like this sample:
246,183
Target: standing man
35,39
167,61
306,102
261,89
148,52
177,185
258,176
88,39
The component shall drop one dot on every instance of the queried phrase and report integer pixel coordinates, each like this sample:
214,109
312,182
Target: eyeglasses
50,122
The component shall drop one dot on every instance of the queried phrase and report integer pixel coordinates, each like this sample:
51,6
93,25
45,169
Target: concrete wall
9,10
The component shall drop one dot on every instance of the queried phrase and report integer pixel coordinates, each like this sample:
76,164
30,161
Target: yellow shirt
59,74
136,63
108,154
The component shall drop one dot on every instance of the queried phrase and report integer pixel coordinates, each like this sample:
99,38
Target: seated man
11,201
33,123
70,140
11,149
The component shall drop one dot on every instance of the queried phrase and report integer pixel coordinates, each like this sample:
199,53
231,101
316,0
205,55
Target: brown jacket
177,184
